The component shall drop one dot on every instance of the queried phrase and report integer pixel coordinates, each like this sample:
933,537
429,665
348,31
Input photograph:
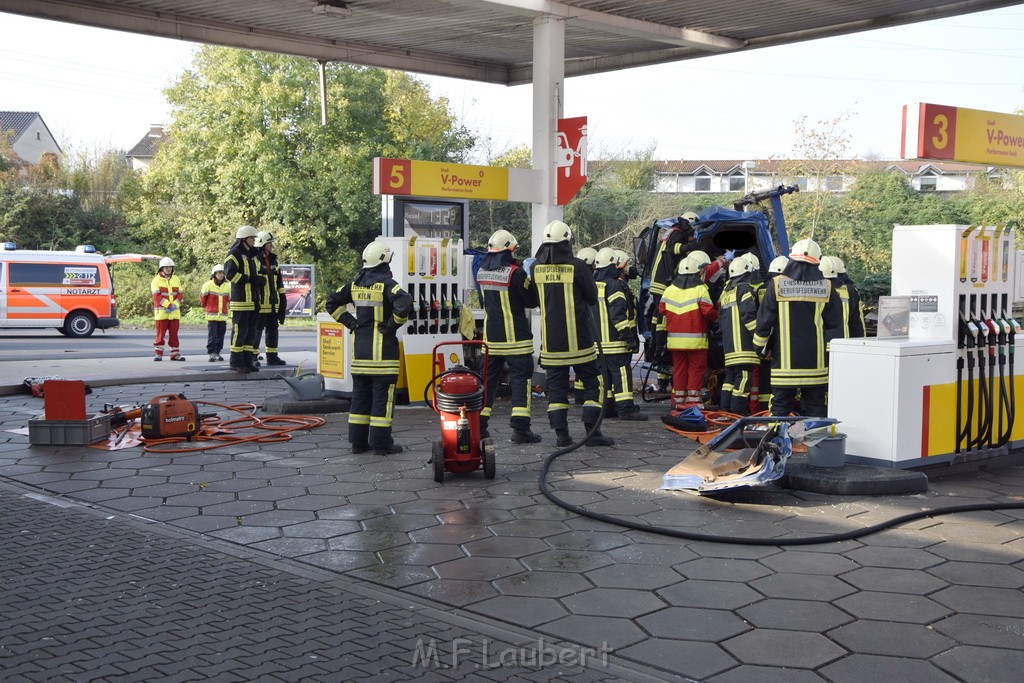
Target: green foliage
247,147
486,216
134,298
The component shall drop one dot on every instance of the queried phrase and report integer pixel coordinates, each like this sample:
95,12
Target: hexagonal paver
279,518
454,592
686,623
783,648
598,632
566,561
341,560
651,554
859,667
245,535
612,602
710,594
453,534
722,569
478,568
801,562
977,552
476,517
521,611
633,576
1005,602
797,615
292,547
985,630
543,584
424,554
979,574
913,609
505,546
802,587
588,540
897,640
529,528
696,660
394,576
888,580
766,674
897,558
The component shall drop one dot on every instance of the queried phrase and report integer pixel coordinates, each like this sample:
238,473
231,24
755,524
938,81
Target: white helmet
807,251
690,217
827,266
502,240
840,266
778,264
166,262
588,255
693,263
556,231
244,232
755,263
219,268
622,259
263,237
605,257
376,253
740,266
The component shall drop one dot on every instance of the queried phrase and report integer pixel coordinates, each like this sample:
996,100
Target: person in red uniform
688,310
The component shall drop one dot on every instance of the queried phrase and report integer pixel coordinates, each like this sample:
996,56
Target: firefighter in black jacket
737,318
506,293
382,307
242,271
800,315
618,338
273,303
565,288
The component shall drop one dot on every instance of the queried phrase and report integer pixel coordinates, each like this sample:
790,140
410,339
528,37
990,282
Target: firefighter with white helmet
565,290
165,288
588,255
738,317
617,335
242,271
382,307
834,268
688,311
215,295
506,295
799,316
273,302
777,265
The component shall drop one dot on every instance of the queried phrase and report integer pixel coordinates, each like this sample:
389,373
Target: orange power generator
170,415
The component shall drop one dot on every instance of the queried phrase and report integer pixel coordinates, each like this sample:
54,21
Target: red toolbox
64,399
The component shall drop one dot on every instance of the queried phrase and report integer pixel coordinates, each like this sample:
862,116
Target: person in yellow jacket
214,295
166,290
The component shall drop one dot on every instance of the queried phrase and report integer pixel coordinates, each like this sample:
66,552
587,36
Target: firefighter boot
387,450
237,362
274,359
249,361
634,415
609,408
597,438
526,436
562,438
484,433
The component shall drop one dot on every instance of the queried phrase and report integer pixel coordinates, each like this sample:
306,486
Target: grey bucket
829,453
309,386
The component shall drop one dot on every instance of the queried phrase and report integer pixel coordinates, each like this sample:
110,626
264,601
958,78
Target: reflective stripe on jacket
505,291
215,299
564,291
738,315
377,298
166,293
688,309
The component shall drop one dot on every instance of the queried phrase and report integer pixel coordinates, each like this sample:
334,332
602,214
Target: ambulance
70,291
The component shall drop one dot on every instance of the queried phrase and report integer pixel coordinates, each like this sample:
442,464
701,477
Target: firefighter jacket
242,271
272,292
167,295
738,317
215,298
853,308
506,294
672,247
612,311
564,287
800,314
708,273
382,306
687,308
630,306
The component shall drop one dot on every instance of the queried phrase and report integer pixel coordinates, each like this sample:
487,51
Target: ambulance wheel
79,324
61,330
487,446
437,457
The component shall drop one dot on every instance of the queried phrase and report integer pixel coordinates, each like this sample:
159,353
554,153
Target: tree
487,216
246,146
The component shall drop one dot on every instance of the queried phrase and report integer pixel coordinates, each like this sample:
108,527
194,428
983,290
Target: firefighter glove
730,255
282,311
349,321
386,327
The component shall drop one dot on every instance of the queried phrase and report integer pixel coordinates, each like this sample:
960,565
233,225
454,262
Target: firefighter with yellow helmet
382,307
617,335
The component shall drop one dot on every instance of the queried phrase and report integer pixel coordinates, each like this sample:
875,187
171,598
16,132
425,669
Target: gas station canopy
491,40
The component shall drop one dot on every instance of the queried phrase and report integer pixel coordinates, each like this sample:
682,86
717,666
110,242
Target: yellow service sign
331,349
932,131
439,179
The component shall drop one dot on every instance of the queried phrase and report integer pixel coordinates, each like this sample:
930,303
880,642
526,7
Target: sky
99,89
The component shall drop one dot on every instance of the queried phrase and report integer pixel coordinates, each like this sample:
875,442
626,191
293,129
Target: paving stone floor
938,599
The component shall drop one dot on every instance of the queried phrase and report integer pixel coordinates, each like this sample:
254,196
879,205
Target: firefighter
588,255
738,311
564,287
617,335
214,295
506,294
800,314
166,290
273,302
242,271
673,245
688,311
776,267
832,267
382,307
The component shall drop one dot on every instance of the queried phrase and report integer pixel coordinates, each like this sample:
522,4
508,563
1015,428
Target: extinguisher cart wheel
437,457
487,446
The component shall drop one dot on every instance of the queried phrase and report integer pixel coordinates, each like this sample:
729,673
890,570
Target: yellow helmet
690,217
807,251
556,231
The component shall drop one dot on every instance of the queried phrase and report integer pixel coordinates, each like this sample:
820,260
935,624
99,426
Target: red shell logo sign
570,157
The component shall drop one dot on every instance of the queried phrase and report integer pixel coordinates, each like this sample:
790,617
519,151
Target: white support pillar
548,80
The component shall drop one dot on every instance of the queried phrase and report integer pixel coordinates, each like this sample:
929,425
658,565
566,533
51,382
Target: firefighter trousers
520,382
215,330
268,322
372,410
166,329
688,368
740,381
558,393
621,383
813,402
